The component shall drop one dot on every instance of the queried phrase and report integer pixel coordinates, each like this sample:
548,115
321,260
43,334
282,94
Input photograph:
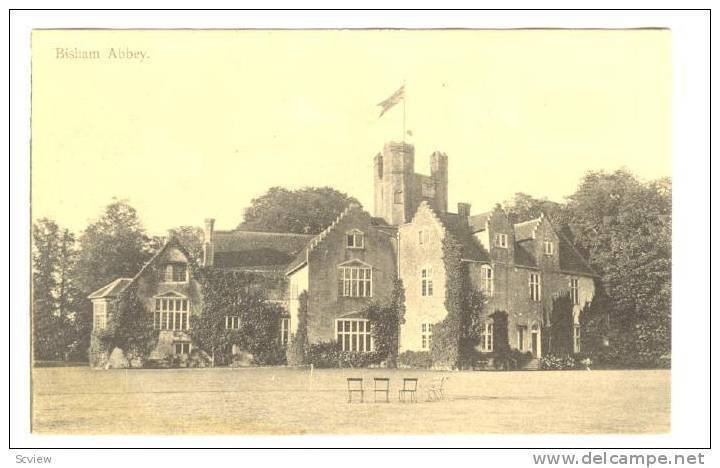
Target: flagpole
404,99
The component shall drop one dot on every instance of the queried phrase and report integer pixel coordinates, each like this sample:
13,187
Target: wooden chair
355,385
382,385
436,390
409,388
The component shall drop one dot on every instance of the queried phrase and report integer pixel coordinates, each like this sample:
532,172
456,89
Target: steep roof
478,222
571,260
524,255
113,289
459,228
256,250
526,230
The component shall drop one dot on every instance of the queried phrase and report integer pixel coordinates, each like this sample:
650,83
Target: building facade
519,268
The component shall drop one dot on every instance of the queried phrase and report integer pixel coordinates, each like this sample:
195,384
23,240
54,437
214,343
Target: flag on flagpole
396,97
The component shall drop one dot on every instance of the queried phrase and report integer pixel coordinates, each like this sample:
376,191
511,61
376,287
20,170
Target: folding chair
382,385
355,385
409,388
436,390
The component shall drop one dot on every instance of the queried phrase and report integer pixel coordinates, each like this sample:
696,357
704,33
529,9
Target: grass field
288,401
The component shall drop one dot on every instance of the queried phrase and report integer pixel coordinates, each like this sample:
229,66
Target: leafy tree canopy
114,246
305,211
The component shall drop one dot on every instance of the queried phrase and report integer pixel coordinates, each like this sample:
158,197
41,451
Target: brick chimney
463,209
208,248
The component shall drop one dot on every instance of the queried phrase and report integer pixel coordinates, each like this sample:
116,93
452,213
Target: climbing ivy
297,349
561,325
456,337
385,321
501,340
238,294
129,327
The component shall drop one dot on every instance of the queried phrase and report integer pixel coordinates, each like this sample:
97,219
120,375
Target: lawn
289,401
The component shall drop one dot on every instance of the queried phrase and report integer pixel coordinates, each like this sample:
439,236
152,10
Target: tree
45,321
55,296
305,211
112,247
524,207
625,227
385,321
595,325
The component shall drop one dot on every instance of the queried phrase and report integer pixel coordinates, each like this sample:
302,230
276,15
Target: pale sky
210,119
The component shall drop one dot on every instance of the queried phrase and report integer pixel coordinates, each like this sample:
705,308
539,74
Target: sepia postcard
351,232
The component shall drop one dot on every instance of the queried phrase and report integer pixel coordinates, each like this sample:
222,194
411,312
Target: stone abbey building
519,267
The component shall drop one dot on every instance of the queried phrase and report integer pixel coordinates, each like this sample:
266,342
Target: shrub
554,362
328,355
324,354
415,360
445,345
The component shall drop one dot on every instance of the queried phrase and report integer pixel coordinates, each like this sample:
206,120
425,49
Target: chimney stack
208,250
463,209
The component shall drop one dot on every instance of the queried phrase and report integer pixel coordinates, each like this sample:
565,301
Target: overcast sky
210,119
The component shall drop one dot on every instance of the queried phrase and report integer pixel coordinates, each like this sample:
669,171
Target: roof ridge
289,234
324,233
579,254
534,220
100,292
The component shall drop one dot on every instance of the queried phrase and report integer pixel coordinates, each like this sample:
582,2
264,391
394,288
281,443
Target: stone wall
325,304
414,257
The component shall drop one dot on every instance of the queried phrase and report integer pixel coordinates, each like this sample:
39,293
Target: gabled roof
119,285
113,289
257,250
171,242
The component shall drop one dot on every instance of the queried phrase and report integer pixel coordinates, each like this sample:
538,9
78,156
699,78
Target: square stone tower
399,190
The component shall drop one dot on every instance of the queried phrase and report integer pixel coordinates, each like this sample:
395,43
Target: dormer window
173,273
355,239
549,247
501,240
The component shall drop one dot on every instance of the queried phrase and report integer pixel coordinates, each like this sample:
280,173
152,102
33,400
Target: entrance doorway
535,341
